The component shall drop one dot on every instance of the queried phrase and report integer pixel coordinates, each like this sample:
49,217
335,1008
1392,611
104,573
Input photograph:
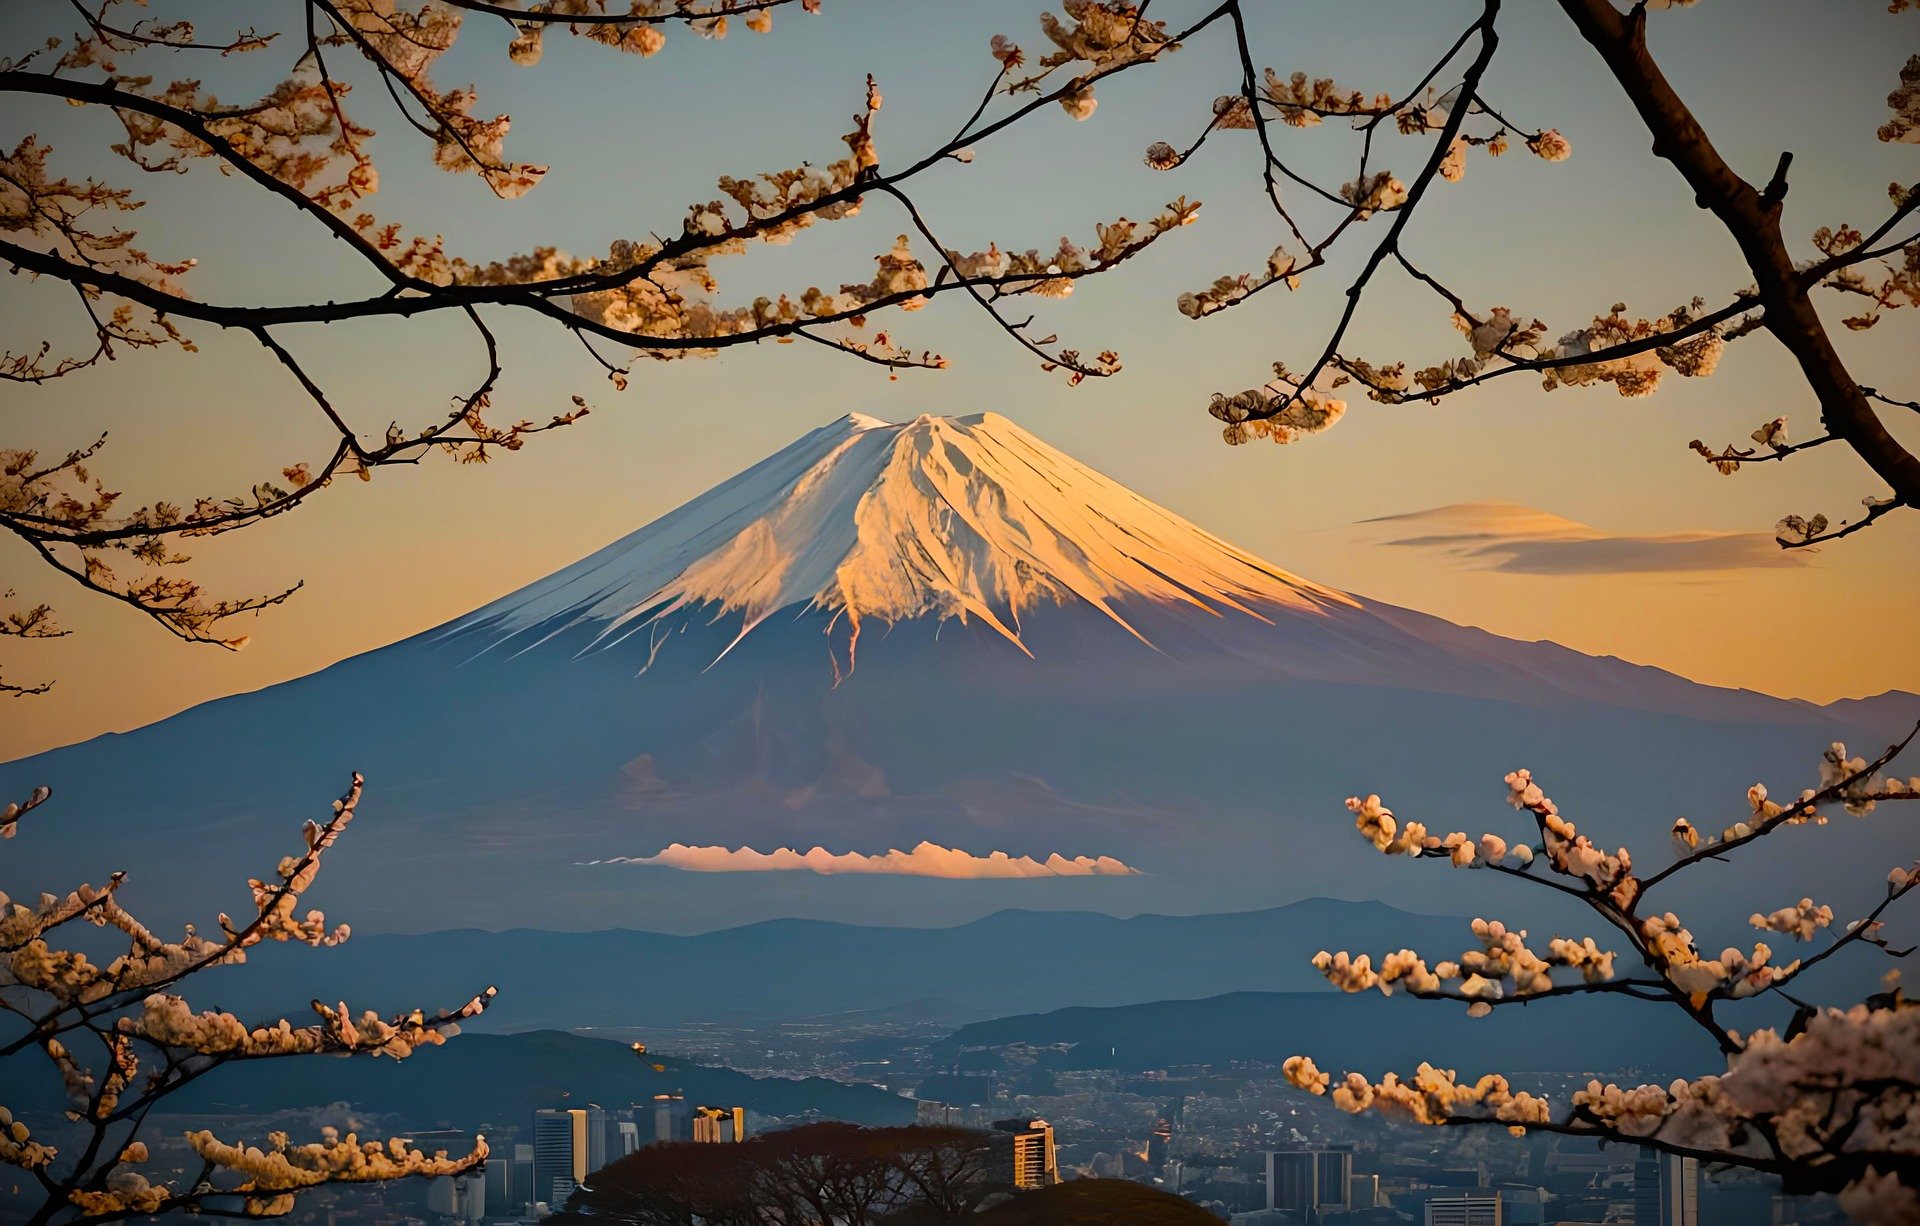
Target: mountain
482,1079
1889,715
808,969
943,632
1365,1032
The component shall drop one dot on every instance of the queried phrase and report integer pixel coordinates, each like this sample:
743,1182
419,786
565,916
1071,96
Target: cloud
1510,537
925,860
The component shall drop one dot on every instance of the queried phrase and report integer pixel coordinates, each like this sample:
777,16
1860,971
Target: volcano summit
938,642
969,518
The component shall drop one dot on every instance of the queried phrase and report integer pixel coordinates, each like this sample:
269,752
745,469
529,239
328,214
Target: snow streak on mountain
964,518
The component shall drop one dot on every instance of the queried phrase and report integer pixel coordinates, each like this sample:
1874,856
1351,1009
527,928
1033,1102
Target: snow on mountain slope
962,517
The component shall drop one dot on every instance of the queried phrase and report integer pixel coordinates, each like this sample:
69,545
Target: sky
1576,516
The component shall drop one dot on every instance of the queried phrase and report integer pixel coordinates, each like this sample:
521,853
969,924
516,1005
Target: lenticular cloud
925,860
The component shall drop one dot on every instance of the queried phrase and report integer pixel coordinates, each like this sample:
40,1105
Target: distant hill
1368,1032
481,1079
795,969
1891,714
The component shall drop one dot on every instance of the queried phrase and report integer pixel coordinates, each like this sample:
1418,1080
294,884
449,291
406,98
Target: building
521,1181
937,1114
1468,1210
459,1196
599,1137
562,1153
672,1120
1023,1153
1524,1206
720,1124
626,1139
1363,1192
501,1170
1666,1190
1309,1183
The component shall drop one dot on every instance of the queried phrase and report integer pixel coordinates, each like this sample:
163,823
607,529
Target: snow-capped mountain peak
943,517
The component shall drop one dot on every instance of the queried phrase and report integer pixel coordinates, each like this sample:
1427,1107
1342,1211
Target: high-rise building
672,1121
1309,1182
1468,1210
522,1179
500,1190
599,1134
626,1138
1334,1167
458,1196
936,1114
1666,1190
1023,1153
1292,1182
562,1150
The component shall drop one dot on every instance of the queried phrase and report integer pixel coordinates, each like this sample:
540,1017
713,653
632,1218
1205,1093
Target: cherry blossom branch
103,1180
1847,780
1875,509
1753,218
1820,1102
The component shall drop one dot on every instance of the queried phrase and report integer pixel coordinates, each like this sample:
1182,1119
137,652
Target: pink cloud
925,860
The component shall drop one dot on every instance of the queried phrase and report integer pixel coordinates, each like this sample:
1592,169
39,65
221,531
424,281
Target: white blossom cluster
1104,35
1819,1087
1375,193
1800,921
14,810
1734,974
1904,127
1050,274
1434,1096
1500,340
1302,102
1503,968
126,1192
1228,290
17,1146
640,38
1569,852
1252,414
170,1022
412,40
274,1173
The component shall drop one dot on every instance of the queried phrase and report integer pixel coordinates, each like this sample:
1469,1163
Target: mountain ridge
784,969
480,1079
1364,1032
